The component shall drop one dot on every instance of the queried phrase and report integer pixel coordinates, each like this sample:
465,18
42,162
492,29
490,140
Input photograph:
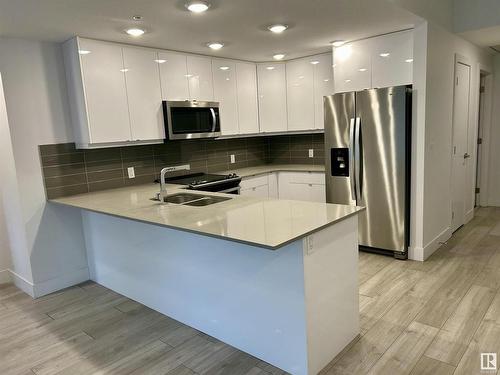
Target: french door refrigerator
367,146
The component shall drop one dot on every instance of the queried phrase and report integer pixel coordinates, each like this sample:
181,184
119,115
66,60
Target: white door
248,110
272,97
459,150
200,78
173,73
300,93
144,94
105,91
323,86
224,73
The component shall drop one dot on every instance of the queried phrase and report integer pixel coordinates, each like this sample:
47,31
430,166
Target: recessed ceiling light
279,56
135,32
338,43
363,70
197,6
215,45
137,18
270,67
224,68
83,52
277,28
384,54
160,61
409,60
315,62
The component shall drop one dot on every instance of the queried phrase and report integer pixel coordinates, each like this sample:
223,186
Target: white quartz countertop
268,168
267,223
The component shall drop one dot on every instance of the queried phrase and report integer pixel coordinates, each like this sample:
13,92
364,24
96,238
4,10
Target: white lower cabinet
300,186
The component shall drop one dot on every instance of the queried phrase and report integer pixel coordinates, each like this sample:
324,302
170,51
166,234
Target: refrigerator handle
357,159
351,160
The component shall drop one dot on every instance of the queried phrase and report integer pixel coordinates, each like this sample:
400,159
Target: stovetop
197,179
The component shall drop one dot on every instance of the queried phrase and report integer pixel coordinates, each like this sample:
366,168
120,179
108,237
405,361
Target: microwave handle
214,120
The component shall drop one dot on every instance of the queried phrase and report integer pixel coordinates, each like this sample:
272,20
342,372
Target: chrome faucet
163,186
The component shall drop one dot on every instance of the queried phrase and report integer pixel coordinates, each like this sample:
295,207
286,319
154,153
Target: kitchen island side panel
249,297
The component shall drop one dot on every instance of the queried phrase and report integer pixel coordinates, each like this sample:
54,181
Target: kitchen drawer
254,181
303,177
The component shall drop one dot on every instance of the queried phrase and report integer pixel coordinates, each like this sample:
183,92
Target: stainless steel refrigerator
367,146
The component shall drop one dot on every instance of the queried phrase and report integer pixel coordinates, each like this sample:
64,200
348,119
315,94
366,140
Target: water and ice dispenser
340,162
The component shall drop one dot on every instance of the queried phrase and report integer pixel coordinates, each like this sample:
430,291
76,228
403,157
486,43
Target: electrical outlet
233,159
131,172
311,152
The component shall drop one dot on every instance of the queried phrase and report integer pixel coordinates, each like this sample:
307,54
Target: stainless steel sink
205,201
196,200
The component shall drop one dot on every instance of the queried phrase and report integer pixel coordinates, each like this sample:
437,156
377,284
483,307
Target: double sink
197,200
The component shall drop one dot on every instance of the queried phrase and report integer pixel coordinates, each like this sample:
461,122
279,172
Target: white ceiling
240,24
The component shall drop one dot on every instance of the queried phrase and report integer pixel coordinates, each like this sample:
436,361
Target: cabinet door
224,73
352,66
317,193
248,111
323,86
173,73
258,191
144,94
272,97
199,73
105,91
300,93
392,57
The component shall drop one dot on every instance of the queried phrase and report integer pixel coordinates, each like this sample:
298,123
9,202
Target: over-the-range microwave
191,119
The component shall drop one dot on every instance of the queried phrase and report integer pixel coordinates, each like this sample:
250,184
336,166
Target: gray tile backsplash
69,171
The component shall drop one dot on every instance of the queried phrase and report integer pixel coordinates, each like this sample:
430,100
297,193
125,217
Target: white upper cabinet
323,86
224,76
381,61
352,66
248,111
103,78
199,74
300,93
392,60
272,97
173,74
144,94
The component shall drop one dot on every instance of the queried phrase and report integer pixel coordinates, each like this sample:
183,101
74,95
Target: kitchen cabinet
255,186
300,94
308,80
272,97
225,92
248,110
382,61
323,86
144,94
396,68
173,74
199,74
106,107
306,186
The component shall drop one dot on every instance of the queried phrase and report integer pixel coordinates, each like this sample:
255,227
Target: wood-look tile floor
434,317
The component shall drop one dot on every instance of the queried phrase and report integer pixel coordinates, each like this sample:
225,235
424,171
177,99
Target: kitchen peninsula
274,278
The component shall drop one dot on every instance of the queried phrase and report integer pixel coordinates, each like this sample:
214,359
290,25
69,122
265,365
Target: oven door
191,119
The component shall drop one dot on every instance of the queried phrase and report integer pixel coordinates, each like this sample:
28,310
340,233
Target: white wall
494,141
440,60
35,91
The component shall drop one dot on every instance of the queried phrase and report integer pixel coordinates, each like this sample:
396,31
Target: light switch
233,159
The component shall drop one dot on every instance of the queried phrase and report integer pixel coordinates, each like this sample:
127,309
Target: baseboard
422,253
23,284
469,216
5,276
64,281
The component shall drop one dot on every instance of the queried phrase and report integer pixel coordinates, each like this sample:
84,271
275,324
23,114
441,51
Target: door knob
466,156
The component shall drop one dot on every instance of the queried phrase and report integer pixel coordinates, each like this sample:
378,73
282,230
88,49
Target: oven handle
230,190
216,182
